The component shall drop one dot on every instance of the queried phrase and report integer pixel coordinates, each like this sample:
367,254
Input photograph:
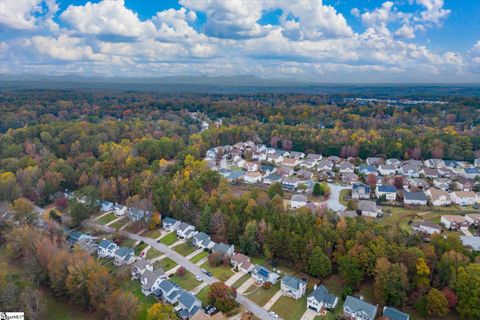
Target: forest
144,149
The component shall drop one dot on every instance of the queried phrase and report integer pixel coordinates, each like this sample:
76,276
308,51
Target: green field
290,309
166,264
184,249
128,243
169,239
260,295
153,253
199,256
187,282
154,234
120,223
221,272
106,218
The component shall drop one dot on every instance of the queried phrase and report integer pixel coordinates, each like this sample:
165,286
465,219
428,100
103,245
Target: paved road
191,267
333,202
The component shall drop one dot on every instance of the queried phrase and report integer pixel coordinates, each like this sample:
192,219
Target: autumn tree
33,303
100,286
319,264
437,304
121,305
161,311
391,283
23,211
80,269
350,271
468,291
222,297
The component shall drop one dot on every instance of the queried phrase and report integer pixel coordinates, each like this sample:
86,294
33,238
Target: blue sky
366,41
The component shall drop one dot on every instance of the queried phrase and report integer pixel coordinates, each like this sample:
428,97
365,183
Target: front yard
260,295
166,264
290,309
169,239
184,249
242,280
154,234
153,253
203,295
106,218
120,223
139,248
222,273
199,256
187,281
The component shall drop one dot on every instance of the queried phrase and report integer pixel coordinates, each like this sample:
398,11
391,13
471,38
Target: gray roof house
168,291
136,214
151,280
170,224
223,249
202,240
188,305
358,309
123,256
186,231
139,267
320,299
263,275
415,198
293,287
394,314
106,249
369,208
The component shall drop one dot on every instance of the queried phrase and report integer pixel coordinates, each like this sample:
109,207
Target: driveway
309,315
333,201
234,278
247,284
273,299
191,267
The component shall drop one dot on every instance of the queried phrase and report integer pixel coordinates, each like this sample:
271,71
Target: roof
346,165
394,314
106,244
237,174
240,258
465,194
367,206
167,286
321,294
184,226
299,198
427,224
358,305
76,235
221,248
254,174
168,220
124,251
141,263
415,196
187,299
263,272
273,177
293,282
454,218
366,168
472,242
472,170
387,189
151,277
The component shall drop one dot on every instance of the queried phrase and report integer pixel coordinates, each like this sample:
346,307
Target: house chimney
315,287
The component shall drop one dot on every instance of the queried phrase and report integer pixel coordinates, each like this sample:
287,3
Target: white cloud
434,12
27,14
64,48
405,32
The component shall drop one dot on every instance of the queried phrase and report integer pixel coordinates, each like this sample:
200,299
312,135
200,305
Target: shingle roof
321,294
415,196
394,314
168,220
221,248
384,188
358,305
292,282
187,299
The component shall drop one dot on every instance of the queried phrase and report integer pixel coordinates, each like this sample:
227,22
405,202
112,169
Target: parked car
273,314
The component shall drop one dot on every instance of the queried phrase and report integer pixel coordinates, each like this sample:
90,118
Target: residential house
473,219
334,159
236,175
414,162
262,275
252,177
77,236
188,305
471,242
350,178
409,170
476,162
251,166
357,309
241,262
430,173
418,183
297,155
293,287
106,206
272,178
366,170
325,165
387,169
453,222
267,169
223,249
186,231
426,227
298,201
304,174
390,313
308,163
201,315
106,249
275,158
314,157
374,161
360,191
124,256
170,224
434,163
238,162
471,173
415,198
389,192
393,162
321,299
346,167
139,267
202,240
291,162
369,209
136,214
453,164
442,183
151,280
285,171
168,291
464,198
347,214
464,184
438,197
120,210
290,183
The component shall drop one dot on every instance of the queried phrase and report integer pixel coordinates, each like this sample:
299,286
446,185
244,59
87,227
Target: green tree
275,189
350,270
8,186
161,311
79,212
317,190
468,292
24,212
391,283
437,304
319,264
205,218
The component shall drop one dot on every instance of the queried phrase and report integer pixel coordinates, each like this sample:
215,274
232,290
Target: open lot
169,239
153,253
221,272
154,234
120,223
241,281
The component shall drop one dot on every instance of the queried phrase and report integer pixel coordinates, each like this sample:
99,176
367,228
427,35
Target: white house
291,162
473,219
252,177
453,222
120,210
262,275
471,173
426,227
321,299
170,224
387,169
389,192
298,201
357,309
124,256
186,231
415,198
106,249
369,209
434,163
346,167
442,183
242,262
438,197
151,280
272,178
139,268
251,166
202,240
293,287
325,165
464,198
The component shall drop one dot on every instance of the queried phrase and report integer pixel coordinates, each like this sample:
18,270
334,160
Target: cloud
27,14
405,32
434,12
106,18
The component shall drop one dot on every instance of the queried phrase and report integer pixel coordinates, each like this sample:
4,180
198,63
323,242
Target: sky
324,41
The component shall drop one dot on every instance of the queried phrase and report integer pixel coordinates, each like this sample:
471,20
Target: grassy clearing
154,234
169,239
261,295
153,253
128,243
290,309
106,218
221,272
139,248
199,256
242,280
57,309
166,264
203,295
120,223
184,249
187,282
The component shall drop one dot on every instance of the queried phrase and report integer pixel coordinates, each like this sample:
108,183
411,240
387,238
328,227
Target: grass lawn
153,253
139,248
332,315
106,218
166,264
154,234
144,302
221,272
261,295
334,284
169,239
187,282
184,248
203,295
240,281
199,256
120,223
128,243
290,309
57,309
